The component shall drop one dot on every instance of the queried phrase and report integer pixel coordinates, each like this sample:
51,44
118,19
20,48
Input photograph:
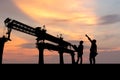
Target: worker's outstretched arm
88,38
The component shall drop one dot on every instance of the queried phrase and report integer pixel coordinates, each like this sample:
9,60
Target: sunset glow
49,9
100,19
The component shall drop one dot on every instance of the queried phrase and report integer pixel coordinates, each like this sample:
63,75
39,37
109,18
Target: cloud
9,9
109,19
70,21
109,36
108,58
28,46
110,50
19,58
75,10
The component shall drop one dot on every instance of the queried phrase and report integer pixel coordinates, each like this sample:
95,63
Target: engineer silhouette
93,50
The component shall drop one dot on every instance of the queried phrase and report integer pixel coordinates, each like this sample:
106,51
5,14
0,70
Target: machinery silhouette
41,36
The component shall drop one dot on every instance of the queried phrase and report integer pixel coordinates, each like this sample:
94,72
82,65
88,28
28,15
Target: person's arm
75,47
88,38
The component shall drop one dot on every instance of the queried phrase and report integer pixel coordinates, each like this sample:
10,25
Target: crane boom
39,33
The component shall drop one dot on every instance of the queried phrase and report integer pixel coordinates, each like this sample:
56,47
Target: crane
3,40
41,35
37,32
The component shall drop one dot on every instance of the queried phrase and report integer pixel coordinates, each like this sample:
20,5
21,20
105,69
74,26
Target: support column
2,43
40,47
61,57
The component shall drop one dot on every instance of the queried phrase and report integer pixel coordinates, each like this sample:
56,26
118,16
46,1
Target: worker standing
93,50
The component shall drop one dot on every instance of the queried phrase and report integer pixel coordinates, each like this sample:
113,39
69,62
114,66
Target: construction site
55,43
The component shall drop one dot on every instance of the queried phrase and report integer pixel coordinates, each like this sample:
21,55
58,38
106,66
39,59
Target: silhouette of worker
93,50
79,51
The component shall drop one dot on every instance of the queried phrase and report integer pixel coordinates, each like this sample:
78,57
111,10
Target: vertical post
73,58
41,56
2,43
61,57
40,47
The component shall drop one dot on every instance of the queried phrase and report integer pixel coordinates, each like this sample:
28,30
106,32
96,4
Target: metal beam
40,34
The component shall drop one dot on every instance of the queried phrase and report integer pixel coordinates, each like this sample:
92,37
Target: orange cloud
73,13
15,42
74,10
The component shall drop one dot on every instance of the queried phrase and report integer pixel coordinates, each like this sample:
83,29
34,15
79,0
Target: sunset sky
100,19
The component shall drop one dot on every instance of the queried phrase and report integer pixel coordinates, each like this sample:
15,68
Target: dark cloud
9,9
56,21
61,20
28,46
109,19
67,22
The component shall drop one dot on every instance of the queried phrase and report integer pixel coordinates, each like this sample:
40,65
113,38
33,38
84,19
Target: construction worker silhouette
93,50
79,51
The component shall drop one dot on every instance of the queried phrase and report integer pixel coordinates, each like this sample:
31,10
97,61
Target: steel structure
41,35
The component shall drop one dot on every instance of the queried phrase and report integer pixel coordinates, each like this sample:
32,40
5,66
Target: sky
100,19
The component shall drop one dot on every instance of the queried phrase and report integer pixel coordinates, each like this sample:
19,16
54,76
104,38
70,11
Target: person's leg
90,59
94,60
77,59
81,60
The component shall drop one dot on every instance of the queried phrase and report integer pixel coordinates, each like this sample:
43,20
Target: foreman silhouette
93,50
79,51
